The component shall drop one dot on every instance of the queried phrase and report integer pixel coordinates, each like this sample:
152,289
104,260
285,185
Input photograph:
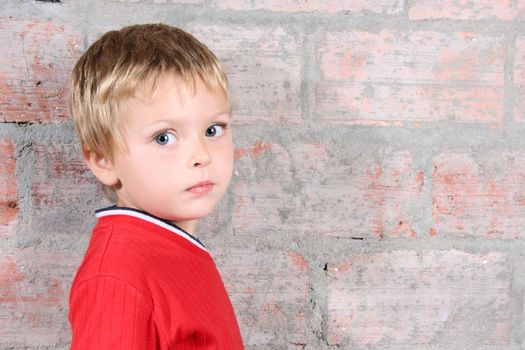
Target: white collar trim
152,219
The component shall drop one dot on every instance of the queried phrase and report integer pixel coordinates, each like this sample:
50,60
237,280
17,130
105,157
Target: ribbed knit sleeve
107,313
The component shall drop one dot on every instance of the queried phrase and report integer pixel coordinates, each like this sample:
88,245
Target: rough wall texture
378,200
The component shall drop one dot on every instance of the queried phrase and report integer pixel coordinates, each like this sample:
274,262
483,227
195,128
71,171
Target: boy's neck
189,226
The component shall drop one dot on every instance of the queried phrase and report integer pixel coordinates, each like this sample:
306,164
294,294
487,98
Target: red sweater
147,284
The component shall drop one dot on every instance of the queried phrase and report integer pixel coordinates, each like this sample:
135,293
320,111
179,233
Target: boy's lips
201,188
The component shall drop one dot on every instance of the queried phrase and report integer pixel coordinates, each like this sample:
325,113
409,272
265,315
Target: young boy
150,106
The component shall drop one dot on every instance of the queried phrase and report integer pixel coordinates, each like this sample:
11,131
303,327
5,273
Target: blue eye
215,130
165,138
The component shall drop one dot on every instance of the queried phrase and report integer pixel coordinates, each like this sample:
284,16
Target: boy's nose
201,155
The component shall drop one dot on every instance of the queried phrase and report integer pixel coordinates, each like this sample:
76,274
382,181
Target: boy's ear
101,167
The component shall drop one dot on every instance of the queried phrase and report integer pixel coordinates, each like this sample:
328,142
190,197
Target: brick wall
378,200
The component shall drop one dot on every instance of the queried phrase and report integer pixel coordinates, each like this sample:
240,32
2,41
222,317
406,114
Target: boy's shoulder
134,246
135,232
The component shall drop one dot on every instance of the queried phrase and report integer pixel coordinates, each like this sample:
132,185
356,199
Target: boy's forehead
156,92
156,85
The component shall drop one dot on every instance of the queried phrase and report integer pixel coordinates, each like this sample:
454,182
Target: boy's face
180,152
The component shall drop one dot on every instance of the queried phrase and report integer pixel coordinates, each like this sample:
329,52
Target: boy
150,106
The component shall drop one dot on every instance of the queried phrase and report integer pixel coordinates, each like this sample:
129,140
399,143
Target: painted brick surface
474,195
392,77
452,298
182,2
465,9
8,188
304,189
37,59
519,79
34,288
377,197
383,6
264,66
62,185
268,298
179,2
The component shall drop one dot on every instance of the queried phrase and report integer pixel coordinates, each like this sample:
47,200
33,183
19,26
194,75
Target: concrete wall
378,200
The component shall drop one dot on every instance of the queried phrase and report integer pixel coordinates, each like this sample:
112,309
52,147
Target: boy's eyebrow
170,121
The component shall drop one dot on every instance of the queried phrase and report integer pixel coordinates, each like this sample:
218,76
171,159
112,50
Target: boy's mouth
201,188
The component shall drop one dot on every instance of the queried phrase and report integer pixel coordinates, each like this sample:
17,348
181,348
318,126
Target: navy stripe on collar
115,210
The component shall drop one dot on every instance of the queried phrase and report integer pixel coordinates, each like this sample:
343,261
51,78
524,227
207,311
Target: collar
115,210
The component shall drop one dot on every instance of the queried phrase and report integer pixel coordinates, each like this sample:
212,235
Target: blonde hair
121,64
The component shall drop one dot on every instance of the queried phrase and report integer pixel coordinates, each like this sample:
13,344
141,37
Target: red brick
35,67
382,6
34,287
61,176
519,80
465,9
257,148
323,195
177,2
62,185
519,62
480,196
264,66
180,2
270,294
431,297
8,188
396,77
